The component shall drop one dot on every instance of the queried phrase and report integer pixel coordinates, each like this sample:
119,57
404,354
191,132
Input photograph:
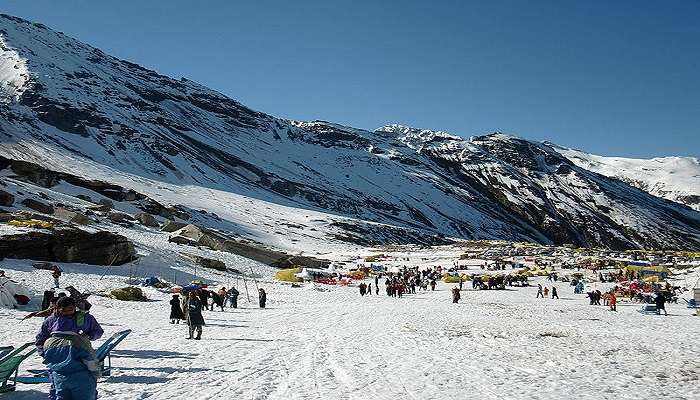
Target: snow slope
673,178
73,108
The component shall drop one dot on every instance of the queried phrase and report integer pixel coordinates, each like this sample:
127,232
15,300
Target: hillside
297,185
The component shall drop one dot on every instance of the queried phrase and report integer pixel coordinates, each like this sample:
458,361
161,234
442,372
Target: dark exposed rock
6,199
108,204
172,226
493,186
39,206
69,245
192,234
100,208
72,216
208,262
121,218
84,197
147,219
182,240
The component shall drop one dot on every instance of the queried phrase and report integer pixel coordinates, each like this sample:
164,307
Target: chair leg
7,388
108,371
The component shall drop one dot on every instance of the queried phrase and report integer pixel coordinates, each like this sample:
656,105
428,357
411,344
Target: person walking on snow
233,297
554,292
455,295
612,301
195,320
56,274
369,289
546,292
64,343
660,303
539,291
203,298
262,297
176,313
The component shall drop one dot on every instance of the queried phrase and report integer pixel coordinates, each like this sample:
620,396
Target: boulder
195,235
131,195
81,219
209,263
72,216
121,218
182,240
100,208
37,205
106,203
84,197
6,199
172,226
147,219
69,245
129,293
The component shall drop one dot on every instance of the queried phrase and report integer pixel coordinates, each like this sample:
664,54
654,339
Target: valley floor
334,344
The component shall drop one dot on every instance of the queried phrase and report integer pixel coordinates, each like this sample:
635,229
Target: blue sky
613,78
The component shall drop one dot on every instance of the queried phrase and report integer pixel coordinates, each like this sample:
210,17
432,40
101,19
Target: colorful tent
8,290
646,271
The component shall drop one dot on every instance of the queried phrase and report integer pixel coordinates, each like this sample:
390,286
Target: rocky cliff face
66,105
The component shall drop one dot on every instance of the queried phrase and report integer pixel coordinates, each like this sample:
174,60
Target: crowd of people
194,300
408,280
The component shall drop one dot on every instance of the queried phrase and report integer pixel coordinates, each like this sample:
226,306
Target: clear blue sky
610,77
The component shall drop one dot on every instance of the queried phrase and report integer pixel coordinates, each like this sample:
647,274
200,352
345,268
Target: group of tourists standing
543,292
406,281
189,308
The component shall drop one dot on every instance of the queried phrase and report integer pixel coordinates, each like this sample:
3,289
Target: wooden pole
253,275
246,290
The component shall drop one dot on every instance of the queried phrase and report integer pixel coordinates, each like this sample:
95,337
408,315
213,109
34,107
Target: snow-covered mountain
673,178
69,107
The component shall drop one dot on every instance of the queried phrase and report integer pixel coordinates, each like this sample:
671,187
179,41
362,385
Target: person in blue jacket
64,343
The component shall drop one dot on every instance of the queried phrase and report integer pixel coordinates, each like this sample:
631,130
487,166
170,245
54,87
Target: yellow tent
648,270
31,223
287,275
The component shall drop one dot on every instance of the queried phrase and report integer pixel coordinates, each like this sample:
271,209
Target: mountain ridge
69,105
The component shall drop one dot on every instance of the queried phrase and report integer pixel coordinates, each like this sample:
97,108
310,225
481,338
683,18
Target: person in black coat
262,297
203,298
233,297
176,313
217,300
456,296
195,320
660,303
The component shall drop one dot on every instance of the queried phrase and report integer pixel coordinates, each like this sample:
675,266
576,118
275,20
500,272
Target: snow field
333,344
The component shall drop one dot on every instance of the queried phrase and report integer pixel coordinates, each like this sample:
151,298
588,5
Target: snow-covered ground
329,343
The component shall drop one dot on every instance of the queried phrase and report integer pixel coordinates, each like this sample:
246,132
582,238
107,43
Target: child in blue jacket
64,342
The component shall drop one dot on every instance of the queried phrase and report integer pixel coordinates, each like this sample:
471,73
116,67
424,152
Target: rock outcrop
147,219
39,206
6,199
195,235
69,245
